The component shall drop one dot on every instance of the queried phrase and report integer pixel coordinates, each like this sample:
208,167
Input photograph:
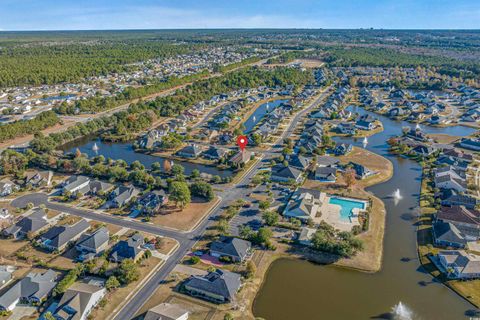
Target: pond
125,151
295,289
260,112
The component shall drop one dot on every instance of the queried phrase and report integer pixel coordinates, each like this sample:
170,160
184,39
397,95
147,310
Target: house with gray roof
450,182
234,248
76,185
281,173
6,275
299,162
34,288
215,153
166,311
7,187
466,220
58,237
38,178
33,224
78,301
98,187
447,234
219,286
470,143
190,151
122,195
326,174
304,204
327,161
128,249
95,243
458,264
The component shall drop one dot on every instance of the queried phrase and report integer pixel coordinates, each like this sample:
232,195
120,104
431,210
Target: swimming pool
346,206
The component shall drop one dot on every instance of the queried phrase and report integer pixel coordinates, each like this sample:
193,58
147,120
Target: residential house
36,179
92,244
234,248
347,128
122,195
6,274
299,162
281,173
450,197
361,171
219,286
152,201
128,249
34,288
215,153
190,151
327,161
5,215
76,185
450,171
450,182
78,301
58,237
458,264
7,187
423,151
98,187
166,311
326,174
342,149
466,220
418,134
365,122
31,224
447,234
470,143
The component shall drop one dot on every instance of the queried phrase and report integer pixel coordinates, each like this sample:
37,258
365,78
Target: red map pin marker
242,142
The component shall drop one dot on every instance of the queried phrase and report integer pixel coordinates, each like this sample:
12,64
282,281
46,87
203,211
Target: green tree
179,193
271,218
128,271
202,189
112,283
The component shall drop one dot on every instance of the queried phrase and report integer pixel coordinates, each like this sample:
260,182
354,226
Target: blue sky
161,14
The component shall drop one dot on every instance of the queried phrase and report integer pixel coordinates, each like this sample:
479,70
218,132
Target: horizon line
244,28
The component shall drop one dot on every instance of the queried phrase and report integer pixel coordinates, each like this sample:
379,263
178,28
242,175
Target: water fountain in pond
365,142
401,312
396,196
268,107
95,148
254,119
417,127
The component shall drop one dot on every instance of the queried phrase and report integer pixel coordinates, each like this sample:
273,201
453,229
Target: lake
260,112
125,151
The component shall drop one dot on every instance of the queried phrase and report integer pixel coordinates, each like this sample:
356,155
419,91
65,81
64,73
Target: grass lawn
183,219
9,246
372,161
119,297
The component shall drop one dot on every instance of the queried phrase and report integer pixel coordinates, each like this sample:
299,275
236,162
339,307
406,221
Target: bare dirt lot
184,219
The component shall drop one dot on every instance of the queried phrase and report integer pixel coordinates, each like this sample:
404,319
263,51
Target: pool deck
330,213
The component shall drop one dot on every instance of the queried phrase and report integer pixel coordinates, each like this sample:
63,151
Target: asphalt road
186,239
